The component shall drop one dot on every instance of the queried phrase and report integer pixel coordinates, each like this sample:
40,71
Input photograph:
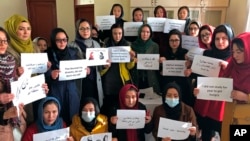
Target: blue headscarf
42,127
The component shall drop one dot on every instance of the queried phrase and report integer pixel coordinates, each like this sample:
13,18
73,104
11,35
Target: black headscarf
111,41
216,53
59,54
175,112
118,20
89,125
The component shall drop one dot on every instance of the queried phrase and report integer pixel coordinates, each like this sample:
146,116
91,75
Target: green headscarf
140,46
11,26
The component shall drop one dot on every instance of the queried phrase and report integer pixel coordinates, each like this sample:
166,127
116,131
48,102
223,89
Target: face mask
88,116
172,102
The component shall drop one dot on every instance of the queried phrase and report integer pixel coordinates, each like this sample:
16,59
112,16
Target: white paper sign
28,90
72,69
194,51
189,42
105,22
174,24
130,119
206,66
55,135
173,68
97,56
211,88
157,24
131,28
148,61
98,137
176,130
119,54
36,62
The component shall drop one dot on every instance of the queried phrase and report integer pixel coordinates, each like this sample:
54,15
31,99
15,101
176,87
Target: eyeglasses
3,41
172,41
62,40
205,35
84,29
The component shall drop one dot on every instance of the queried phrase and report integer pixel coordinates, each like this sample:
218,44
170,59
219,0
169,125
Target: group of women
88,106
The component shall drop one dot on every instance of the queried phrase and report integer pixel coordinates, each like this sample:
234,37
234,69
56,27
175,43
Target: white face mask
88,116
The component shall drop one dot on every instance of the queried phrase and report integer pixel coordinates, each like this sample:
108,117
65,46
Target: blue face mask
172,102
88,116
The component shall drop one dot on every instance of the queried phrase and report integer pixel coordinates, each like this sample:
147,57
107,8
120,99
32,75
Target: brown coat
187,115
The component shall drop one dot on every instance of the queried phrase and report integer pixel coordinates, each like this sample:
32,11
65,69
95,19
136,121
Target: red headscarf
131,133
210,29
241,72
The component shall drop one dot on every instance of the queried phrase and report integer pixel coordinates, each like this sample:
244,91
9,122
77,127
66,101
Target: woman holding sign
65,91
129,100
173,108
116,75
210,113
144,45
48,119
238,69
88,121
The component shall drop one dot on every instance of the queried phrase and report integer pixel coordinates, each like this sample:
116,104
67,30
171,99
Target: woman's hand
187,72
113,119
162,59
223,65
70,138
20,71
192,130
108,65
132,54
12,112
239,95
45,87
166,139
148,117
55,74
88,70
6,98
196,91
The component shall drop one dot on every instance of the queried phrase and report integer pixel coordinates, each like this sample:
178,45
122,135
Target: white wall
238,15
9,8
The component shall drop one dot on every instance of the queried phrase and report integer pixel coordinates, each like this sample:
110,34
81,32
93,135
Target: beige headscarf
11,26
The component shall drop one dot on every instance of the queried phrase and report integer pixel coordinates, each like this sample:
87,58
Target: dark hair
204,27
145,25
116,26
88,100
164,10
137,9
115,5
51,102
183,7
6,34
53,34
239,43
168,86
174,32
41,38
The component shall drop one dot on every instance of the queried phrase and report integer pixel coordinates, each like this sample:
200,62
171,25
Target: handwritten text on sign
55,135
119,54
97,137
73,69
176,130
148,61
37,65
131,28
28,90
173,68
130,119
174,24
206,66
212,88
157,24
105,22
189,42
194,51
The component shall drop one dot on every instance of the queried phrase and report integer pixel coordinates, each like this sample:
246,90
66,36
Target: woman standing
236,113
183,14
116,75
65,91
91,86
144,45
205,36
